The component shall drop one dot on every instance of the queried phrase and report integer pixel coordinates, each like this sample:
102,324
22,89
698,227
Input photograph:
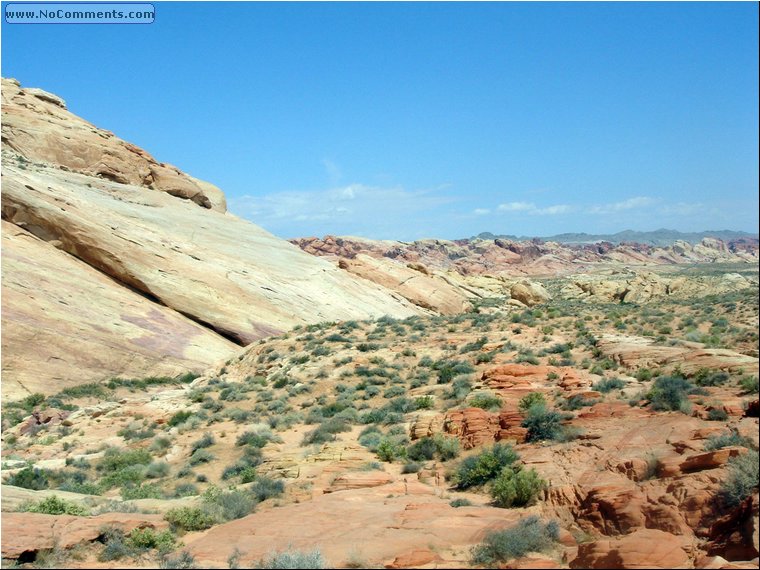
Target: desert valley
181,388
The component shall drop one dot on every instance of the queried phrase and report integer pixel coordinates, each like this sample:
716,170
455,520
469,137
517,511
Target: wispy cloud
629,204
531,208
481,211
344,209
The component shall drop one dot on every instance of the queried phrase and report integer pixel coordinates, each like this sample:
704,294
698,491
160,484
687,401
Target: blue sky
411,120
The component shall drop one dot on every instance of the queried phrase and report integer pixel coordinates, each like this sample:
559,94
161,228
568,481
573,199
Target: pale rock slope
101,236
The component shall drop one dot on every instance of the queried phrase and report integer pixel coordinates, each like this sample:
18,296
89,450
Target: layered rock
103,272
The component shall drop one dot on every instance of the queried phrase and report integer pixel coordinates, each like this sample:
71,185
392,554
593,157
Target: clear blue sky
431,119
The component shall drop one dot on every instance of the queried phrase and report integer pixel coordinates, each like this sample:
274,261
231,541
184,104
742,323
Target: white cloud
338,210
532,209
554,210
517,207
629,204
481,211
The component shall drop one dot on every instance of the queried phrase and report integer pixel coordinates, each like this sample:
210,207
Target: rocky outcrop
529,293
413,283
37,126
26,534
502,257
103,272
641,352
645,548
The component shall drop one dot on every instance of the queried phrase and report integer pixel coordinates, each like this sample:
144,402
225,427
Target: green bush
201,456
54,505
485,401
644,375
727,440
479,469
116,459
749,384
265,488
717,415
190,518
707,377
30,478
456,503
529,535
132,492
670,393
326,431
206,441
516,488
182,560
411,467
389,450
530,400
147,538
543,423
447,447
179,418
608,384
293,559
422,450
228,505
742,478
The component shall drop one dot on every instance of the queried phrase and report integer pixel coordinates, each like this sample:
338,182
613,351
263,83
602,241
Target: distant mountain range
660,237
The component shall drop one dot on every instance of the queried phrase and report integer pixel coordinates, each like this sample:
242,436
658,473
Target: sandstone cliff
114,263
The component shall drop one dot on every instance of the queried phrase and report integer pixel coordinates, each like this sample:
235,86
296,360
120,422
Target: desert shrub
578,401
479,469
265,488
423,449
185,490
189,518
148,538
117,459
456,503
228,505
528,535
530,400
293,559
201,456
448,369
253,438
516,488
485,401
157,469
749,384
30,478
394,391
446,447
206,441
179,418
742,478
160,444
54,505
370,437
390,449
727,440
131,492
423,403
670,393
644,374
608,385
542,423
116,546
411,467
707,377
717,415
326,431
182,560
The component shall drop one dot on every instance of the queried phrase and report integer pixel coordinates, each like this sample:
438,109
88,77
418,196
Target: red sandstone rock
644,548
